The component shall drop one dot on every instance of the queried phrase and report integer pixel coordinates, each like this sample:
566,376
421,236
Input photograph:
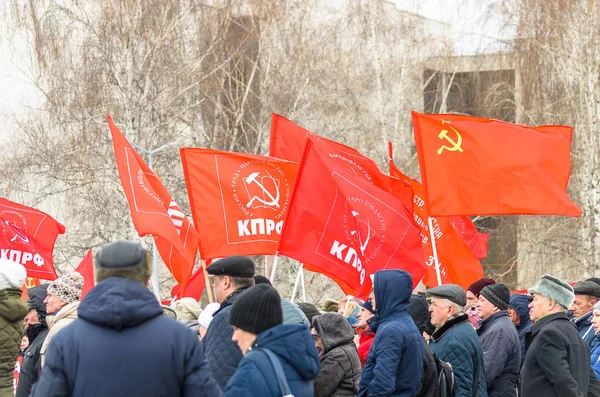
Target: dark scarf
34,330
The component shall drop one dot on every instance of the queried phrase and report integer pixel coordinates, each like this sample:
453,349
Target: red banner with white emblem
347,227
27,237
154,211
239,199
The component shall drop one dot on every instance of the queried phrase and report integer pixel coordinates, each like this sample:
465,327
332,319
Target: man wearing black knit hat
232,275
500,342
266,343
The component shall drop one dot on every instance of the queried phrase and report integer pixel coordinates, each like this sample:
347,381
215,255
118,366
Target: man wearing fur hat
12,311
122,345
557,361
62,301
500,342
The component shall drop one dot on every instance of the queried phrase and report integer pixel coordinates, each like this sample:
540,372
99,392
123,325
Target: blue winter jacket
585,327
395,362
122,345
596,361
457,343
298,356
223,354
501,354
520,303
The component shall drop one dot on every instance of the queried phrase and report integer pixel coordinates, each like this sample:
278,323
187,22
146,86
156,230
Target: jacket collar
547,319
453,322
229,300
584,320
491,319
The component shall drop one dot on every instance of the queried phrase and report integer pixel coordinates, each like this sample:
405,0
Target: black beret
234,266
121,255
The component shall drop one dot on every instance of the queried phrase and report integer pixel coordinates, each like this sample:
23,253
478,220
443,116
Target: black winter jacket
340,365
557,361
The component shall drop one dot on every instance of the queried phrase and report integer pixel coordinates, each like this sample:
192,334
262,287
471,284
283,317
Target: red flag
154,211
28,237
30,282
86,269
457,264
288,139
195,286
346,227
241,199
475,166
477,242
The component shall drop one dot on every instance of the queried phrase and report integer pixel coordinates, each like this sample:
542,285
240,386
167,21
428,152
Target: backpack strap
283,384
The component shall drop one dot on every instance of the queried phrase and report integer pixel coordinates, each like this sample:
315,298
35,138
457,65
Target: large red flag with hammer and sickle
239,199
28,237
346,227
456,261
154,211
476,166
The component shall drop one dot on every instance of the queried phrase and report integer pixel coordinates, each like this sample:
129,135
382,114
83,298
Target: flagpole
435,255
266,265
296,283
303,286
272,278
207,282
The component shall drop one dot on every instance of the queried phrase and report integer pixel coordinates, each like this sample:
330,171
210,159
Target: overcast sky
478,26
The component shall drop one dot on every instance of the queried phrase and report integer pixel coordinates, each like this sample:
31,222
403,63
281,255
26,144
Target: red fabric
240,199
475,166
457,264
30,282
477,242
364,345
28,236
154,211
195,286
86,269
346,227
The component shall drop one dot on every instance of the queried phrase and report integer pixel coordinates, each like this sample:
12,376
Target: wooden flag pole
207,282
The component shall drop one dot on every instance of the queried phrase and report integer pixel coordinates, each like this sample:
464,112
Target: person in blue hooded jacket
518,311
122,345
257,321
395,362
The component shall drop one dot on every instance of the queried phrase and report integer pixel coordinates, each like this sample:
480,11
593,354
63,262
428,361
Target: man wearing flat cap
455,340
231,276
122,345
500,342
587,294
557,360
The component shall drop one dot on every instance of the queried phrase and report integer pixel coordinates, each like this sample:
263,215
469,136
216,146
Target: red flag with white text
28,237
240,199
154,211
345,226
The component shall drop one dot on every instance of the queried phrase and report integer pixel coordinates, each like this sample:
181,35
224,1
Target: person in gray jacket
340,365
500,342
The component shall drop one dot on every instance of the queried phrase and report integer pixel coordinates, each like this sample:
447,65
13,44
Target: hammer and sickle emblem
455,144
30,282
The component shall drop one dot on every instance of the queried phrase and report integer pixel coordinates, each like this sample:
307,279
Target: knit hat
67,287
369,306
554,289
207,314
478,285
497,294
329,306
12,274
261,280
257,309
309,310
186,308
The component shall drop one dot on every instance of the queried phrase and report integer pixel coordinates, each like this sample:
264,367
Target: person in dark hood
232,275
419,312
122,344
398,345
340,365
258,330
518,310
36,332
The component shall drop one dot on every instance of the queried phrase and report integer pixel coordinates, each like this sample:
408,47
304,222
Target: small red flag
457,264
154,211
28,237
195,286
475,166
241,199
86,269
477,242
346,227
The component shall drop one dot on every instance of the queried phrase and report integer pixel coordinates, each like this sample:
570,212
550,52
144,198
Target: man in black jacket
557,362
36,331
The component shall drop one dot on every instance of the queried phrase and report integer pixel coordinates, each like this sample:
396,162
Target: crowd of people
445,341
